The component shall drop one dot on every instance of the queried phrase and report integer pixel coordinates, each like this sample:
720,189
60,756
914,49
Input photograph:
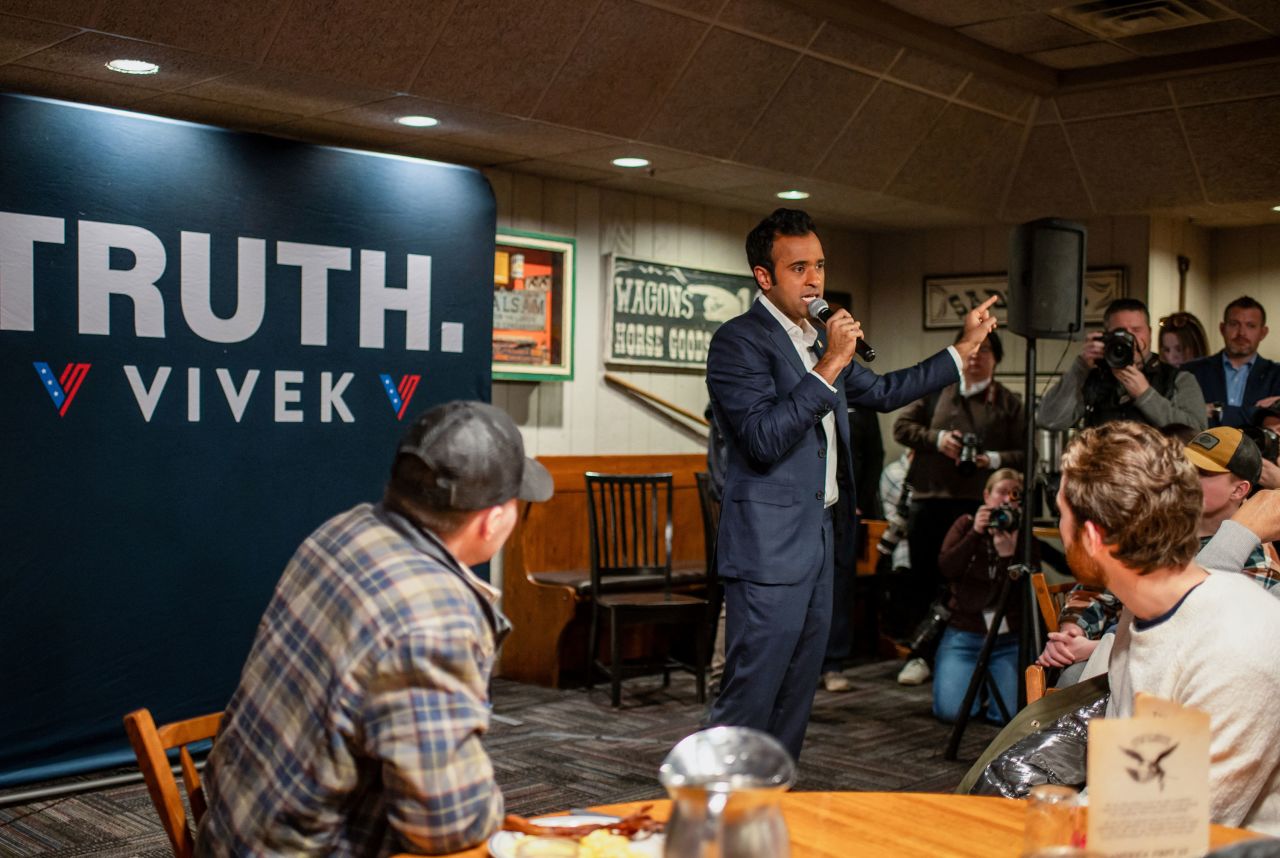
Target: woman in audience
1182,339
975,559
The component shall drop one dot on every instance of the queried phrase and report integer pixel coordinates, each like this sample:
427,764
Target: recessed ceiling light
793,195
631,163
418,121
133,67
1275,208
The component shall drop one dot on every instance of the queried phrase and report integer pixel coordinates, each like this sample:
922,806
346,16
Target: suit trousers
775,637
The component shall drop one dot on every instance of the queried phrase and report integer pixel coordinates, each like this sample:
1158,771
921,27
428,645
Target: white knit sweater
1216,653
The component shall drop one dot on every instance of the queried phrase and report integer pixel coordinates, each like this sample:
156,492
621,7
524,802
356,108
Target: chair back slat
630,517
151,747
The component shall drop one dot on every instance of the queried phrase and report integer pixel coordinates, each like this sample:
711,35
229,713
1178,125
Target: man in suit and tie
781,396
1237,380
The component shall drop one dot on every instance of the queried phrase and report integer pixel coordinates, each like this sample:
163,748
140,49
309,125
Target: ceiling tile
1046,112
452,152
1026,33
504,67
1215,34
964,162
1046,182
1233,83
77,13
881,137
1134,162
556,170
1211,216
180,106
996,96
1115,99
291,92
240,29
22,36
855,48
956,13
705,8
1082,56
660,159
531,139
1236,148
378,44
926,72
1264,13
383,114
69,87
771,18
725,87
87,55
802,121
331,133
608,84
720,176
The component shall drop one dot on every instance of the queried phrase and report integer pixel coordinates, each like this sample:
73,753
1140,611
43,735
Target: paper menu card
1149,782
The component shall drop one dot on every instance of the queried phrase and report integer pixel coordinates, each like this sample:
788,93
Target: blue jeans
957,656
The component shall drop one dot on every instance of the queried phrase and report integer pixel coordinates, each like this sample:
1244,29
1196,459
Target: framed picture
947,298
533,295
658,314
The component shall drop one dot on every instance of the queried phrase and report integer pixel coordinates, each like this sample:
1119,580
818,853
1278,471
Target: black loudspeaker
1046,279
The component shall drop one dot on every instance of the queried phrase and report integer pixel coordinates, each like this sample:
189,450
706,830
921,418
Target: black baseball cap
474,456
1223,449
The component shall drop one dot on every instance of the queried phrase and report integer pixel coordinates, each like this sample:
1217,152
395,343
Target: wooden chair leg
615,659
593,647
700,653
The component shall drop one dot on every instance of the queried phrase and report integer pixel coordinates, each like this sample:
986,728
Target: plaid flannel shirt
356,726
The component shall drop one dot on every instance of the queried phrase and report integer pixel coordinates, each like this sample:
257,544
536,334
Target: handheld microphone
821,310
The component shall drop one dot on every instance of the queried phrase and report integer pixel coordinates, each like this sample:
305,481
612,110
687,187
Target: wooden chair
1035,683
151,746
1050,598
630,518
710,507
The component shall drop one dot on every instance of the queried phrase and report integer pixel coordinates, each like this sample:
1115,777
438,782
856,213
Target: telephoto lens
1117,348
968,461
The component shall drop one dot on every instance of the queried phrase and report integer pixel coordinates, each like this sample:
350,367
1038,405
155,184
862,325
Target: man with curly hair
1130,506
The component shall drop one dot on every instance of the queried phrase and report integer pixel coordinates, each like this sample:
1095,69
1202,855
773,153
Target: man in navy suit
780,394
1237,380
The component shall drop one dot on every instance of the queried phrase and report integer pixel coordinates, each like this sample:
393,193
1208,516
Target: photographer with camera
975,558
1118,378
959,436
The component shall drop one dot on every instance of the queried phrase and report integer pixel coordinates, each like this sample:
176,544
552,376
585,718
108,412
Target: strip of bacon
630,826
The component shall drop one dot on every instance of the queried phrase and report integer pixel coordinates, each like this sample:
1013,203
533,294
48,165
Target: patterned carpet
559,749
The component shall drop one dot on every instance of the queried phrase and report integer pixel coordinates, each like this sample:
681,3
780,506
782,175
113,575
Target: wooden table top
895,825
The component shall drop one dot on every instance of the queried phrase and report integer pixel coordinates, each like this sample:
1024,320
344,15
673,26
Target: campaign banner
664,315
210,343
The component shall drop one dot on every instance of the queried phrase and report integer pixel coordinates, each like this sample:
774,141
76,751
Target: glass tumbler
1052,827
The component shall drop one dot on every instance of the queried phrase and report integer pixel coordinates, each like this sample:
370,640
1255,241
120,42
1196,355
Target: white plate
503,844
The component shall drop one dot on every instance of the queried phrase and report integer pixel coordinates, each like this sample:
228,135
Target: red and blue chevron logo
62,388
400,394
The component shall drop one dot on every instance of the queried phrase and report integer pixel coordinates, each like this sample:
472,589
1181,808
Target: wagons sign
665,315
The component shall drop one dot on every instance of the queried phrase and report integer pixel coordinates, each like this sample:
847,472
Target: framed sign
664,315
947,298
533,293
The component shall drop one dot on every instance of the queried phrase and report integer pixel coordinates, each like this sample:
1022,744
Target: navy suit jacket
771,408
1263,381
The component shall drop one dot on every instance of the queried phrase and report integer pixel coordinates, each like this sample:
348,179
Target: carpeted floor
559,749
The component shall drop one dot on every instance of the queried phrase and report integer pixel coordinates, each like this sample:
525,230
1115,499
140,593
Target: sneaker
833,680
914,672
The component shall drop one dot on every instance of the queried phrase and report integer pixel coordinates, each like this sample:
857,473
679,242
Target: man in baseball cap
356,727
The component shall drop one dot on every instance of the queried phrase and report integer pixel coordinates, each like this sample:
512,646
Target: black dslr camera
1117,348
1005,518
1268,441
968,461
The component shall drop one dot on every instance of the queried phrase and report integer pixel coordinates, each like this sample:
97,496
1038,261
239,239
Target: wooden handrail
653,397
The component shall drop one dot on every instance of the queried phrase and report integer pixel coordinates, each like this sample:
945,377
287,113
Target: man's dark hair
1244,302
404,494
1121,305
781,222
997,347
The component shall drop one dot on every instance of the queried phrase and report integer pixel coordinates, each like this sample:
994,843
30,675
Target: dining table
893,825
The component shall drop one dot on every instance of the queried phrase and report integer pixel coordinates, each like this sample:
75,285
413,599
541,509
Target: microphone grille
816,306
